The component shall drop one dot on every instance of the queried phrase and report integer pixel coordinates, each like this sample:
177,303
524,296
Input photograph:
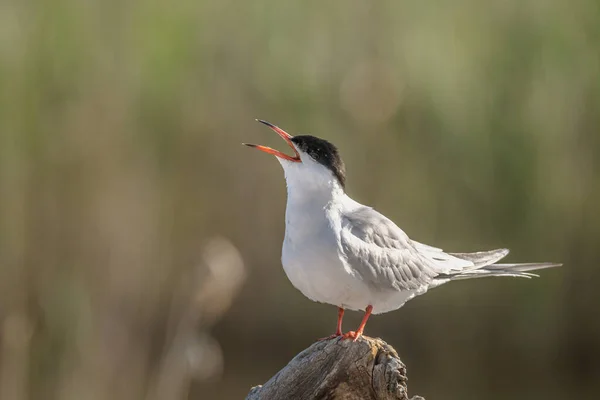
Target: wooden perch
368,369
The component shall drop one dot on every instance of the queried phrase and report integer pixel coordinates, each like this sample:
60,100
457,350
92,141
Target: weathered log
368,369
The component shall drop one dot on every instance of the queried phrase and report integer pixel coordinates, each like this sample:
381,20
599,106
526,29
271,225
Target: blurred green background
130,213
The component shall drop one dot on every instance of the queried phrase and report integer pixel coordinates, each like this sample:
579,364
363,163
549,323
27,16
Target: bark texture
368,369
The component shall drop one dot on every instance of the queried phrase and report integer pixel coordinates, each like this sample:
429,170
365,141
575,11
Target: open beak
285,136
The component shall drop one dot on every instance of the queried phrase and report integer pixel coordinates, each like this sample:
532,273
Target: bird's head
316,162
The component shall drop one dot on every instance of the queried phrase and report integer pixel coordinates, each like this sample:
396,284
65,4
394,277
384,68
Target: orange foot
352,335
335,335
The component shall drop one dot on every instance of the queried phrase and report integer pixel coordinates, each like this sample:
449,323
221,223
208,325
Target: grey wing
382,254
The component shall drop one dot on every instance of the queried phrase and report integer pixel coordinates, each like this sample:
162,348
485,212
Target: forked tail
484,264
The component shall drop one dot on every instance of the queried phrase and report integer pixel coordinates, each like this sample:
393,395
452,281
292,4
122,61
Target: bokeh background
140,242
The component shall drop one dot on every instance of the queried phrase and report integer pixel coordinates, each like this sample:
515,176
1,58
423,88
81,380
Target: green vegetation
473,125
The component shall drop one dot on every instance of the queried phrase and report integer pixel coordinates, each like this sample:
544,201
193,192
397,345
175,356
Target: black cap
324,153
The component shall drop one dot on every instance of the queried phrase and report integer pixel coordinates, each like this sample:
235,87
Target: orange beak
285,136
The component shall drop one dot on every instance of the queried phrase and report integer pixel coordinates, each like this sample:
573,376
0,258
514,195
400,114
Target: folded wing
380,253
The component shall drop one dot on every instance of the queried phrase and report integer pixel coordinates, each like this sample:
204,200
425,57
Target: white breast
312,262
310,254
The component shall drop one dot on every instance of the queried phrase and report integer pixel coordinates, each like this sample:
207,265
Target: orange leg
361,328
338,331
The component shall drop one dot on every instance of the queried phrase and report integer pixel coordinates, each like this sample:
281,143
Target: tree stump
368,369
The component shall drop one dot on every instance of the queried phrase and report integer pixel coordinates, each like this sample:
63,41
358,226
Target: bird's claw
327,338
352,335
335,335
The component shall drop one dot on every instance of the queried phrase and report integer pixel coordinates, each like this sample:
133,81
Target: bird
343,253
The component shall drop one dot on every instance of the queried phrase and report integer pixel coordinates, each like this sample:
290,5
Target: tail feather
484,266
482,258
479,273
523,267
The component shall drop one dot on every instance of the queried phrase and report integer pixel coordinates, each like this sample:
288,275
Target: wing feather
379,252
382,254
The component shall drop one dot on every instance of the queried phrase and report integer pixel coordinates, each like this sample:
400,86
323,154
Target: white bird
340,252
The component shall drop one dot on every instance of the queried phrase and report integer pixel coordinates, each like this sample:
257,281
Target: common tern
340,252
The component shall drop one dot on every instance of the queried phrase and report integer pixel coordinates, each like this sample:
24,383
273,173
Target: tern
340,252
